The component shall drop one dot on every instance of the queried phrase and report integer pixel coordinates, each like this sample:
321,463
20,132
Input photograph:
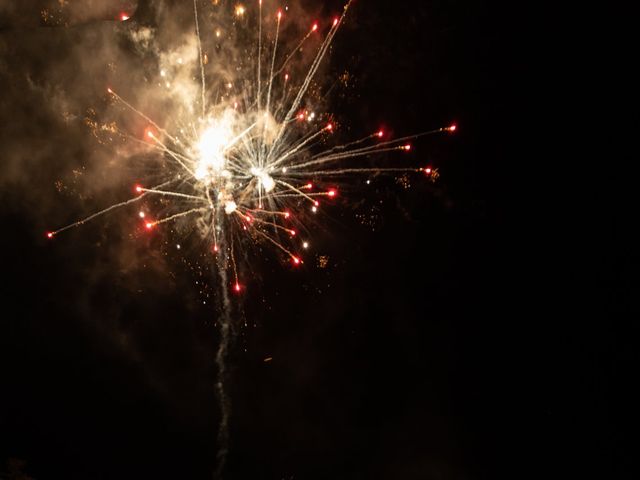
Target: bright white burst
238,165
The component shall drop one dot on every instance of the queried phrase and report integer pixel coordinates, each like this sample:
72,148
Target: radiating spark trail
177,215
311,73
105,210
314,28
259,53
273,61
195,14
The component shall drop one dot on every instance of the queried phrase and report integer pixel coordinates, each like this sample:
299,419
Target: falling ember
427,171
407,147
332,193
380,133
138,188
149,225
236,287
452,128
49,234
314,27
124,17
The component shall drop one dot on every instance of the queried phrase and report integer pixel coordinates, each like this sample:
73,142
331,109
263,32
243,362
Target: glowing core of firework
212,146
263,177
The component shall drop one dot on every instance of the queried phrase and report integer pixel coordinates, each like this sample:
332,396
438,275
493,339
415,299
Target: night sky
436,343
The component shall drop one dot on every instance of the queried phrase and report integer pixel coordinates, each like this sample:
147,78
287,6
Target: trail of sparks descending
239,170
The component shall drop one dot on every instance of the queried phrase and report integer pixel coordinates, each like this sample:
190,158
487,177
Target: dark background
447,338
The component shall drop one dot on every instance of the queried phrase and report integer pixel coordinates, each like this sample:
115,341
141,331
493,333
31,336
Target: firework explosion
242,153
244,156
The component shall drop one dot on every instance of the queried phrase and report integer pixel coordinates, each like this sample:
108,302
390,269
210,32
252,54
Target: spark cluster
247,159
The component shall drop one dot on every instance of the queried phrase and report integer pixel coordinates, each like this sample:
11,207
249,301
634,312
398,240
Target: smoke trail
221,357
